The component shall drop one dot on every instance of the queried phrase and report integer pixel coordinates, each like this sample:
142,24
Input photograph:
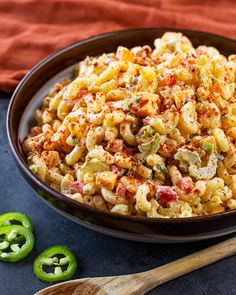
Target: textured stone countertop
98,255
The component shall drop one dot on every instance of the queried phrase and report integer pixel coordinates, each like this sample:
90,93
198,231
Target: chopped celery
152,146
93,166
185,156
207,172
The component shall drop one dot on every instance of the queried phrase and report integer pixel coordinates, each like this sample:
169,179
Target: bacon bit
76,187
168,81
186,184
121,190
115,145
36,131
166,194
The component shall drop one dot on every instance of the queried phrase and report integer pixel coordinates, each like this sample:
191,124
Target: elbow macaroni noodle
142,131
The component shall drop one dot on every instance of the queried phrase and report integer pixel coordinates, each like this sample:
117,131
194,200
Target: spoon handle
187,264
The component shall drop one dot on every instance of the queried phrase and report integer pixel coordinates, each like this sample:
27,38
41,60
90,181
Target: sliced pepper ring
49,258
7,218
10,242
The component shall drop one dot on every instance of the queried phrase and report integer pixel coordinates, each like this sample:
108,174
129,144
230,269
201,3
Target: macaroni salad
145,132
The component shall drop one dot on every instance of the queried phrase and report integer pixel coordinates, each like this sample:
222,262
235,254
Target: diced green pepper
33,168
208,147
75,141
136,99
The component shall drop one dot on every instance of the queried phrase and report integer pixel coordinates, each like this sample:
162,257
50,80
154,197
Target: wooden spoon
140,283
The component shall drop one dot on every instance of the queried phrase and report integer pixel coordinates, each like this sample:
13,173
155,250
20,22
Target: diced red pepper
121,189
168,81
76,187
186,184
166,194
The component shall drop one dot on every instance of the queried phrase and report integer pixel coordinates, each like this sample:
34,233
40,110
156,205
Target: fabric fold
32,29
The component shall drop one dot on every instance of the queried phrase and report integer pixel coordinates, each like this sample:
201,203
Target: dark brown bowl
34,87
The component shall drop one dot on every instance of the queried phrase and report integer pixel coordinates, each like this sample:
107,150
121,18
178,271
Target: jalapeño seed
12,235
58,270
4,245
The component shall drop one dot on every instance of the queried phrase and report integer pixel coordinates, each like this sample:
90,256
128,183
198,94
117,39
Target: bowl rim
23,165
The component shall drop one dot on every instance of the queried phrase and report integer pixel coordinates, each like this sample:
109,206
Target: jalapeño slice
10,217
60,259
10,248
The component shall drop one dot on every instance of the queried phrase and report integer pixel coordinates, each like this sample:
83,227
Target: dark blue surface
98,255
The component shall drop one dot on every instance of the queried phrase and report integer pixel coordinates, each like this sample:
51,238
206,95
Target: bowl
28,96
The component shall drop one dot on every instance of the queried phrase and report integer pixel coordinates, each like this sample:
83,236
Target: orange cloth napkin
32,29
